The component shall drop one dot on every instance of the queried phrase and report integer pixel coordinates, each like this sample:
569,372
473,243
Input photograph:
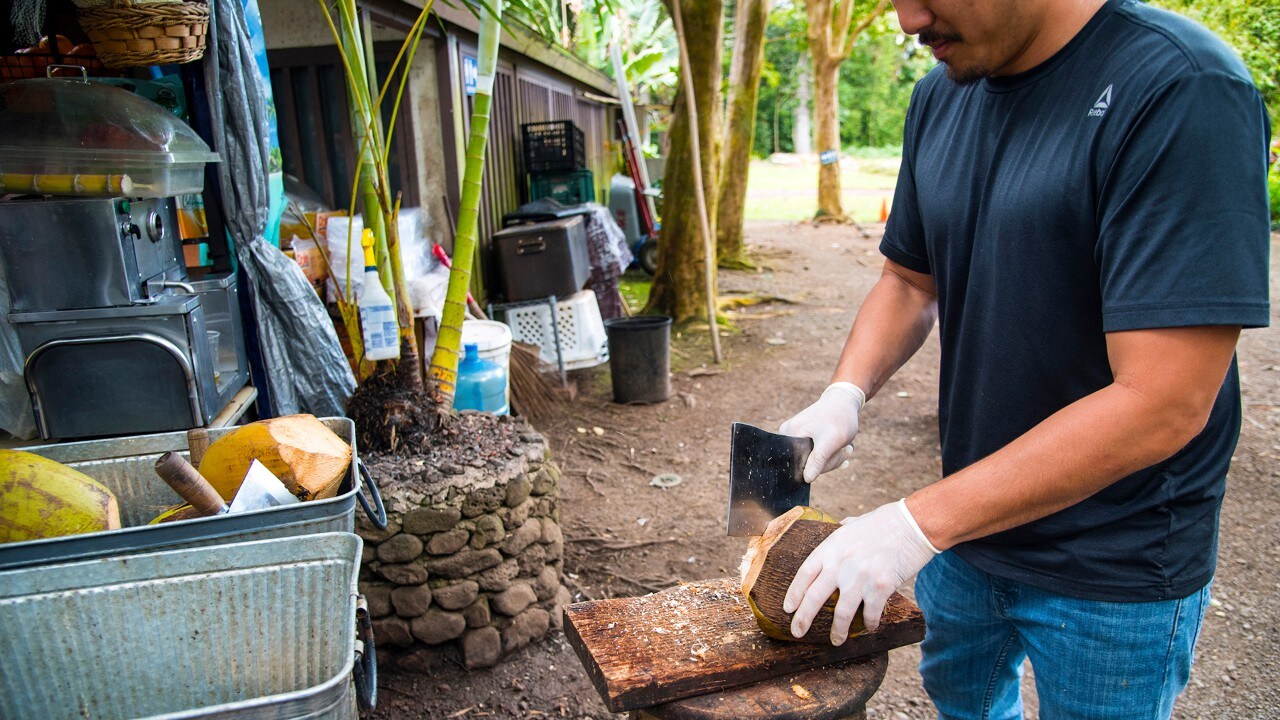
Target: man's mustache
933,37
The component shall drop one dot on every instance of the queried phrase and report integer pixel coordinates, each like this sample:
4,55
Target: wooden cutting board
701,637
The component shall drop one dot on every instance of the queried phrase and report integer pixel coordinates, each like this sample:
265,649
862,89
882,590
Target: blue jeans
1092,659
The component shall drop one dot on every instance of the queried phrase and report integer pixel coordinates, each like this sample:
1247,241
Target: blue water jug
482,384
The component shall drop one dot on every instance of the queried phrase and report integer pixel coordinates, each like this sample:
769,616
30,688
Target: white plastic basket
582,336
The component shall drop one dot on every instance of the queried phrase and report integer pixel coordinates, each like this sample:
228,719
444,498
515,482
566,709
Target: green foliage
875,82
784,54
650,56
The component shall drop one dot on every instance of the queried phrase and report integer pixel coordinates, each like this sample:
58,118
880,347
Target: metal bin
126,466
246,631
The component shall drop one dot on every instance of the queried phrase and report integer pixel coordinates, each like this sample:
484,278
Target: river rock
518,491
477,613
499,578
523,537
392,631
481,647
437,626
406,574
550,532
400,548
411,601
425,521
467,562
448,542
530,625
489,531
515,599
378,598
457,596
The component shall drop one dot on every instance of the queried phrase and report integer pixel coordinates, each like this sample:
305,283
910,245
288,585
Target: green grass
790,192
635,285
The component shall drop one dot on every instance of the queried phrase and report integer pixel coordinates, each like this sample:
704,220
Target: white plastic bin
582,335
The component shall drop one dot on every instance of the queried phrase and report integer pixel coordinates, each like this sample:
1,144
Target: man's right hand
832,422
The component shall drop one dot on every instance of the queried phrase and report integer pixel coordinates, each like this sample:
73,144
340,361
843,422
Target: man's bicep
1182,367
923,282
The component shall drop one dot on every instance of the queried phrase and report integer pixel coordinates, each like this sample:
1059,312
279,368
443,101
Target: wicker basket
136,34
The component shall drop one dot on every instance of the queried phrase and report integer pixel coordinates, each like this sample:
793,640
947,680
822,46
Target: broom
535,393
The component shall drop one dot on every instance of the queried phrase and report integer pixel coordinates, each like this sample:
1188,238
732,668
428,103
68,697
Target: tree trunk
678,284
831,33
740,126
801,134
826,109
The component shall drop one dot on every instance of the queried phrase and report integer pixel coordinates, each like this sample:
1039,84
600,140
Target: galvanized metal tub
259,630
126,466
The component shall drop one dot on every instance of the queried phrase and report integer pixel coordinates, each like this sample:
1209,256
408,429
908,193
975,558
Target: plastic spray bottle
377,316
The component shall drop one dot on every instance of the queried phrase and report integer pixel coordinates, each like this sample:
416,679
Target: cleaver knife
766,477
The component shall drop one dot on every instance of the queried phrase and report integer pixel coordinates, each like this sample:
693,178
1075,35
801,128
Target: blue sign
829,157
469,72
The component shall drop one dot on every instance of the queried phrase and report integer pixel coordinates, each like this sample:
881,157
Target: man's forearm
1162,396
891,325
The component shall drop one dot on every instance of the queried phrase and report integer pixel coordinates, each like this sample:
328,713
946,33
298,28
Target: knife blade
766,477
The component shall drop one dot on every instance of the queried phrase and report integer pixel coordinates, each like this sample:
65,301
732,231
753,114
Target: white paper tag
261,489
484,84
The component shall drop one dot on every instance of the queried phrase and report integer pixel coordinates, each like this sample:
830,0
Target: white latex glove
832,422
866,560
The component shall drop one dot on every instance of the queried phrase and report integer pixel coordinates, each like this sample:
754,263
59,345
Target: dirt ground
776,362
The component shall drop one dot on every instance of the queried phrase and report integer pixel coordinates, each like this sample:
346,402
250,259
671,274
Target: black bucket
639,358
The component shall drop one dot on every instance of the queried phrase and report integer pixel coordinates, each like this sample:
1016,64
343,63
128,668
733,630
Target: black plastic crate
553,146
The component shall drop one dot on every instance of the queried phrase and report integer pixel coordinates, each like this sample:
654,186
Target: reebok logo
1104,102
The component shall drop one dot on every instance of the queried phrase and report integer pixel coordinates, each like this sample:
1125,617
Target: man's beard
966,75
957,75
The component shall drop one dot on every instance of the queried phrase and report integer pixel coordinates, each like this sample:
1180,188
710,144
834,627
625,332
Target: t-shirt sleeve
903,240
1183,221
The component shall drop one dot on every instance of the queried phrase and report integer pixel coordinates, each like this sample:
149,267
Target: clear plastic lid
66,127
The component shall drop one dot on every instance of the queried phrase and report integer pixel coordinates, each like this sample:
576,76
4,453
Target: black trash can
640,358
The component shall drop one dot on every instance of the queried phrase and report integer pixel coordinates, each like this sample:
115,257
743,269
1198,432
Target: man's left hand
866,560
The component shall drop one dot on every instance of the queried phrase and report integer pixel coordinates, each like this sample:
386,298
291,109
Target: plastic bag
415,257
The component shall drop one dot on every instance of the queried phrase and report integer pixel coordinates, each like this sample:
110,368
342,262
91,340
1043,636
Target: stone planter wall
471,555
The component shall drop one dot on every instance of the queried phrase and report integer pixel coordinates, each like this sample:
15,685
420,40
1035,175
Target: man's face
973,38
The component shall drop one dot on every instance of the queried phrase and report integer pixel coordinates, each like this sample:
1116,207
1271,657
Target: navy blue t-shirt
1119,185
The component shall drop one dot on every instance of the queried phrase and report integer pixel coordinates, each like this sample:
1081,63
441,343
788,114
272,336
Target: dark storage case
543,259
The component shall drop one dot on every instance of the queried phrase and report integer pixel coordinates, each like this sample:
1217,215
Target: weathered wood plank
701,637
828,691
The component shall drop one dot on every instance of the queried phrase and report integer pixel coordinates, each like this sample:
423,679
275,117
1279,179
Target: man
1082,207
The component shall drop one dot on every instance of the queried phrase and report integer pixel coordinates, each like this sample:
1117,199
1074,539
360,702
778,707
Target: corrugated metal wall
523,96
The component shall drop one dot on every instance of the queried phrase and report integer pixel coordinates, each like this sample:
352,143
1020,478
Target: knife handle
190,484
197,444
